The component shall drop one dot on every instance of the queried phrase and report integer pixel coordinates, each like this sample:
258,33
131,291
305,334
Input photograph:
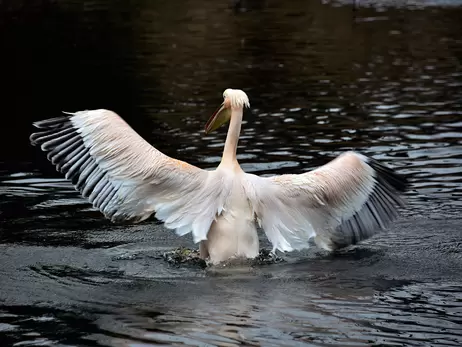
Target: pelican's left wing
125,177
341,203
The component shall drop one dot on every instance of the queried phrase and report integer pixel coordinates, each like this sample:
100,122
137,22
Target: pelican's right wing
341,203
125,177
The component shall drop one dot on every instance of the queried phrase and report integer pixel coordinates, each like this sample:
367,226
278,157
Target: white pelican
339,204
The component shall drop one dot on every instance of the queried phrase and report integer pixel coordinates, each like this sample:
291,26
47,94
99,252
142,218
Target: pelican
341,203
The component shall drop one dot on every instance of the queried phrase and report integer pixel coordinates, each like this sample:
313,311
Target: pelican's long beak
220,117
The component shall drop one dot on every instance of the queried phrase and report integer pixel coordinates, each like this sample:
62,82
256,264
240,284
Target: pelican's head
233,99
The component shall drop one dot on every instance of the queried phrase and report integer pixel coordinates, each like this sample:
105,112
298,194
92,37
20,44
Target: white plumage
339,204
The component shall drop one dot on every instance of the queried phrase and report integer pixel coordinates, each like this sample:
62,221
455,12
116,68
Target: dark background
158,62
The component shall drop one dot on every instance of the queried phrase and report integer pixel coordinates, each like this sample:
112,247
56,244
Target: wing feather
125,177
341,203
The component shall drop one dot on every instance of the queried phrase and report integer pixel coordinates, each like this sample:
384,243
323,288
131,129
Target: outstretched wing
125,177
341,203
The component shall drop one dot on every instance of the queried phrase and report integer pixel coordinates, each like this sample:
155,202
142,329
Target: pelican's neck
229,153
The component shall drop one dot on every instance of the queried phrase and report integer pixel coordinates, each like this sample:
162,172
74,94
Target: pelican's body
234,232
339,204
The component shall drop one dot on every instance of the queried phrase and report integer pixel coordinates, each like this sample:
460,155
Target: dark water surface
383,78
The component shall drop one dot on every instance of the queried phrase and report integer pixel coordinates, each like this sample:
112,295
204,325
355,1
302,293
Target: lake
383,78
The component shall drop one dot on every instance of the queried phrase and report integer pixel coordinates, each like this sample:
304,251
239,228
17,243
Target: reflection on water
323,77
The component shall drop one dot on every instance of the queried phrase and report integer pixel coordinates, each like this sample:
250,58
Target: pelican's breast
234,232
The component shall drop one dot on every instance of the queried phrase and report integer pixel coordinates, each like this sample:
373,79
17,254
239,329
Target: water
380,77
